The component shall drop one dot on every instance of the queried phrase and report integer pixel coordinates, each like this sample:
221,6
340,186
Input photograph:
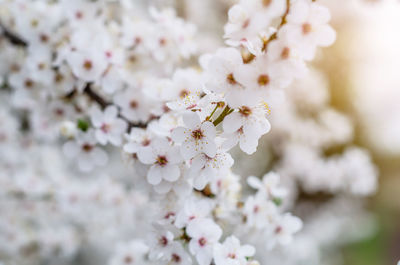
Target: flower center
285,53
58,78
231,80
197,134
163,241
306,28
232,255
263,80
133,104
128,260
87,65
202,241
87,147
176,258
278,230
245,111
266,2
184,93
146,142
161,160
28,83
105,128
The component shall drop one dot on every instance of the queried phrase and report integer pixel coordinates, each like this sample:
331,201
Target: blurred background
363,73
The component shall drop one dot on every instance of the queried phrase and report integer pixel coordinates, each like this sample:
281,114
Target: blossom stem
212,113
283,22
222,116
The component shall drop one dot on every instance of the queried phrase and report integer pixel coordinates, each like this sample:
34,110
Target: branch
12,37
283,22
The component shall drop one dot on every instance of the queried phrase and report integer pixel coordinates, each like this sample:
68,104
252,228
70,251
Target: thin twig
12,37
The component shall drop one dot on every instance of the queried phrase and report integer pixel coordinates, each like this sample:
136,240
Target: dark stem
12,37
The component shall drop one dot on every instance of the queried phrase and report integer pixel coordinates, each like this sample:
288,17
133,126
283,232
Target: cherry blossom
109,128
164,159
204,234
197,137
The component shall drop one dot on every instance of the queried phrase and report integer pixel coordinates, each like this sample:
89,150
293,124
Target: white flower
270,186
246,126
164,159
87,66
178,256
130,253
192,209
204,168
261,76
307,28
259,212
161,243
283,229
134,105
84,151
109,128
232,253
196,137
204,234
136,139
221,77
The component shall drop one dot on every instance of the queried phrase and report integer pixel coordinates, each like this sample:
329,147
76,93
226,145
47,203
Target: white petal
191,119
170,172
179,134
71,149
209,129
99,156
232,122
154,175
188,150
209,147
110,113
96,117
146,155
163,187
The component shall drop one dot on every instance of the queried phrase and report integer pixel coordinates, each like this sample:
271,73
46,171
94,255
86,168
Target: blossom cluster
107,76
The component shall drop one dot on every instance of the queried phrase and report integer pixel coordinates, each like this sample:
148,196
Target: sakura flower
250,17
307,28
261,76
203,167
283,229
130,253
83,149
133,104
109,128
222,69
258,212
86,66
136,139
204,235
246,126
161,243
232,253
164,160
178,256
192,209
268,186
196,137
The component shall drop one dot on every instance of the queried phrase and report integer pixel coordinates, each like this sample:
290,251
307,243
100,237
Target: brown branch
283,22
12,37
